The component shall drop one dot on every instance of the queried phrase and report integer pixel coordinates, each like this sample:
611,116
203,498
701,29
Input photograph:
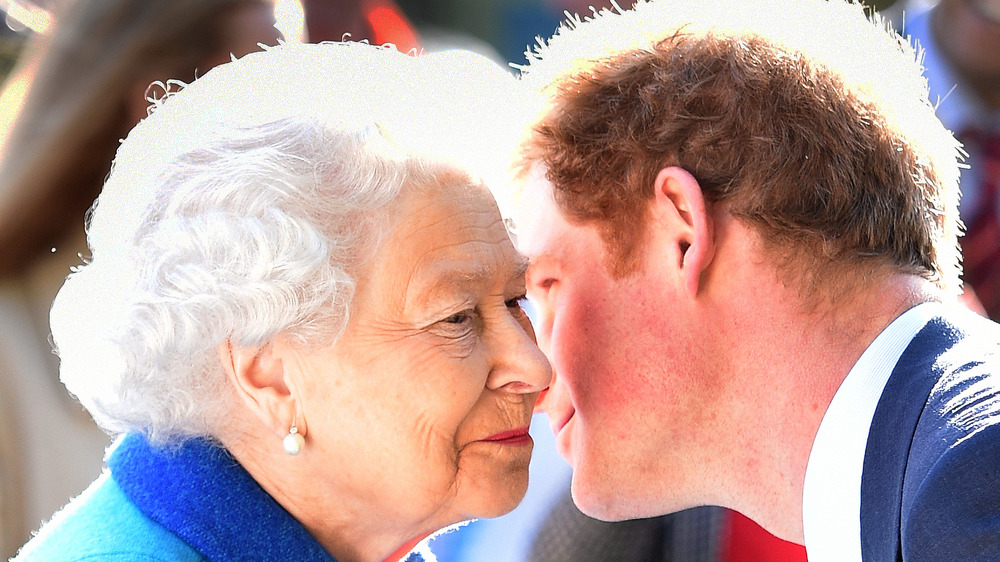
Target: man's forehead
538,216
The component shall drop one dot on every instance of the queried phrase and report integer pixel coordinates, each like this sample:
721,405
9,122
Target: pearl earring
293,442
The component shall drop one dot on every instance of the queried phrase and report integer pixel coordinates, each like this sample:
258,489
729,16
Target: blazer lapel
891,435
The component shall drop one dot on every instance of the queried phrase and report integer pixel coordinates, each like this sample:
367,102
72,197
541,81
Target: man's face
626,403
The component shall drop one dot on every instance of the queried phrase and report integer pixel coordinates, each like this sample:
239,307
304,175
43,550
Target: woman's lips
518,436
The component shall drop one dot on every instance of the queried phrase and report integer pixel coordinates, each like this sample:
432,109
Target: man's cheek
542,321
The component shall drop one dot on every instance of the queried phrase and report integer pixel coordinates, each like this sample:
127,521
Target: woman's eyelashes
517,305
461,318
516,302
459,324
464,322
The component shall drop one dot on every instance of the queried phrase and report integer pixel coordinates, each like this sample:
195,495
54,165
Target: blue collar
200,493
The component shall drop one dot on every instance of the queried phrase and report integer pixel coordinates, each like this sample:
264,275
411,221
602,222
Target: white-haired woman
302,315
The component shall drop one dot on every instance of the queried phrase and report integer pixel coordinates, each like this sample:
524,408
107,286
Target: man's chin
611,499
598,499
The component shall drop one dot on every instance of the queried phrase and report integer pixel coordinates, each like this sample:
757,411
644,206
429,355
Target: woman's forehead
450,238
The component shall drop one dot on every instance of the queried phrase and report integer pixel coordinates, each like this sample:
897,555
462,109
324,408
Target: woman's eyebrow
445,276
521,264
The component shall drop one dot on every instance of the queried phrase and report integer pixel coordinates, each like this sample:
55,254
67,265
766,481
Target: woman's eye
517,302
459,318
458,326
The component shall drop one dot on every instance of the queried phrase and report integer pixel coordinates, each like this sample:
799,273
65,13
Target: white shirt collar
831,495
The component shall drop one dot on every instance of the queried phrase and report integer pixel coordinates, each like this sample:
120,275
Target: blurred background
75,77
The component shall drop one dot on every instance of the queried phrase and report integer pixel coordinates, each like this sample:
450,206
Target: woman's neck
341,527
402,551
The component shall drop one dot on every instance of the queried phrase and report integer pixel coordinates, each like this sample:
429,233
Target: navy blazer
930,488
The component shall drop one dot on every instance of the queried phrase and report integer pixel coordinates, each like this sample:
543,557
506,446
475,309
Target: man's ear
258,378
679,202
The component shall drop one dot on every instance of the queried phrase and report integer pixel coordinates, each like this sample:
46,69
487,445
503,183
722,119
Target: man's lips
517,436
558,423
563,438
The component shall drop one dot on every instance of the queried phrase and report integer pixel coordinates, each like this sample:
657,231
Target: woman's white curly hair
240,208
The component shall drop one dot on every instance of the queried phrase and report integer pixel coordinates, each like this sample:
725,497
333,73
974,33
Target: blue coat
930,486
189,504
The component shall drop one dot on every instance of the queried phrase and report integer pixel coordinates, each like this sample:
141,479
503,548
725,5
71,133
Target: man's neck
802,360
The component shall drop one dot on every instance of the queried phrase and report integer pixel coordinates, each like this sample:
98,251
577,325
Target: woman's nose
518,364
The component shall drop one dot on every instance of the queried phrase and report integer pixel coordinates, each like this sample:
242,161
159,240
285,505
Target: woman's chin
502,497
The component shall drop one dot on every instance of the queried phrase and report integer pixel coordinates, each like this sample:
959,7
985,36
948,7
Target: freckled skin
598,332
437,356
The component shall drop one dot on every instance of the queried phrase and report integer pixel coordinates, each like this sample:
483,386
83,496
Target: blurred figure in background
76,91
376,21
961,44
85,84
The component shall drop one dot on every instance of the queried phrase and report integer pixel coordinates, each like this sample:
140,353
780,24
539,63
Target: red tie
981,243
745,541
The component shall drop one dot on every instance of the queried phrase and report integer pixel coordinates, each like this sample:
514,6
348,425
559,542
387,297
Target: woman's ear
680,203
258,378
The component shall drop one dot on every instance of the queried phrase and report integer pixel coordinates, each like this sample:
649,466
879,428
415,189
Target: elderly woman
302,315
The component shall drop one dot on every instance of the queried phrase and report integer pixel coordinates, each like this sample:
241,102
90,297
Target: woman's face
420,411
